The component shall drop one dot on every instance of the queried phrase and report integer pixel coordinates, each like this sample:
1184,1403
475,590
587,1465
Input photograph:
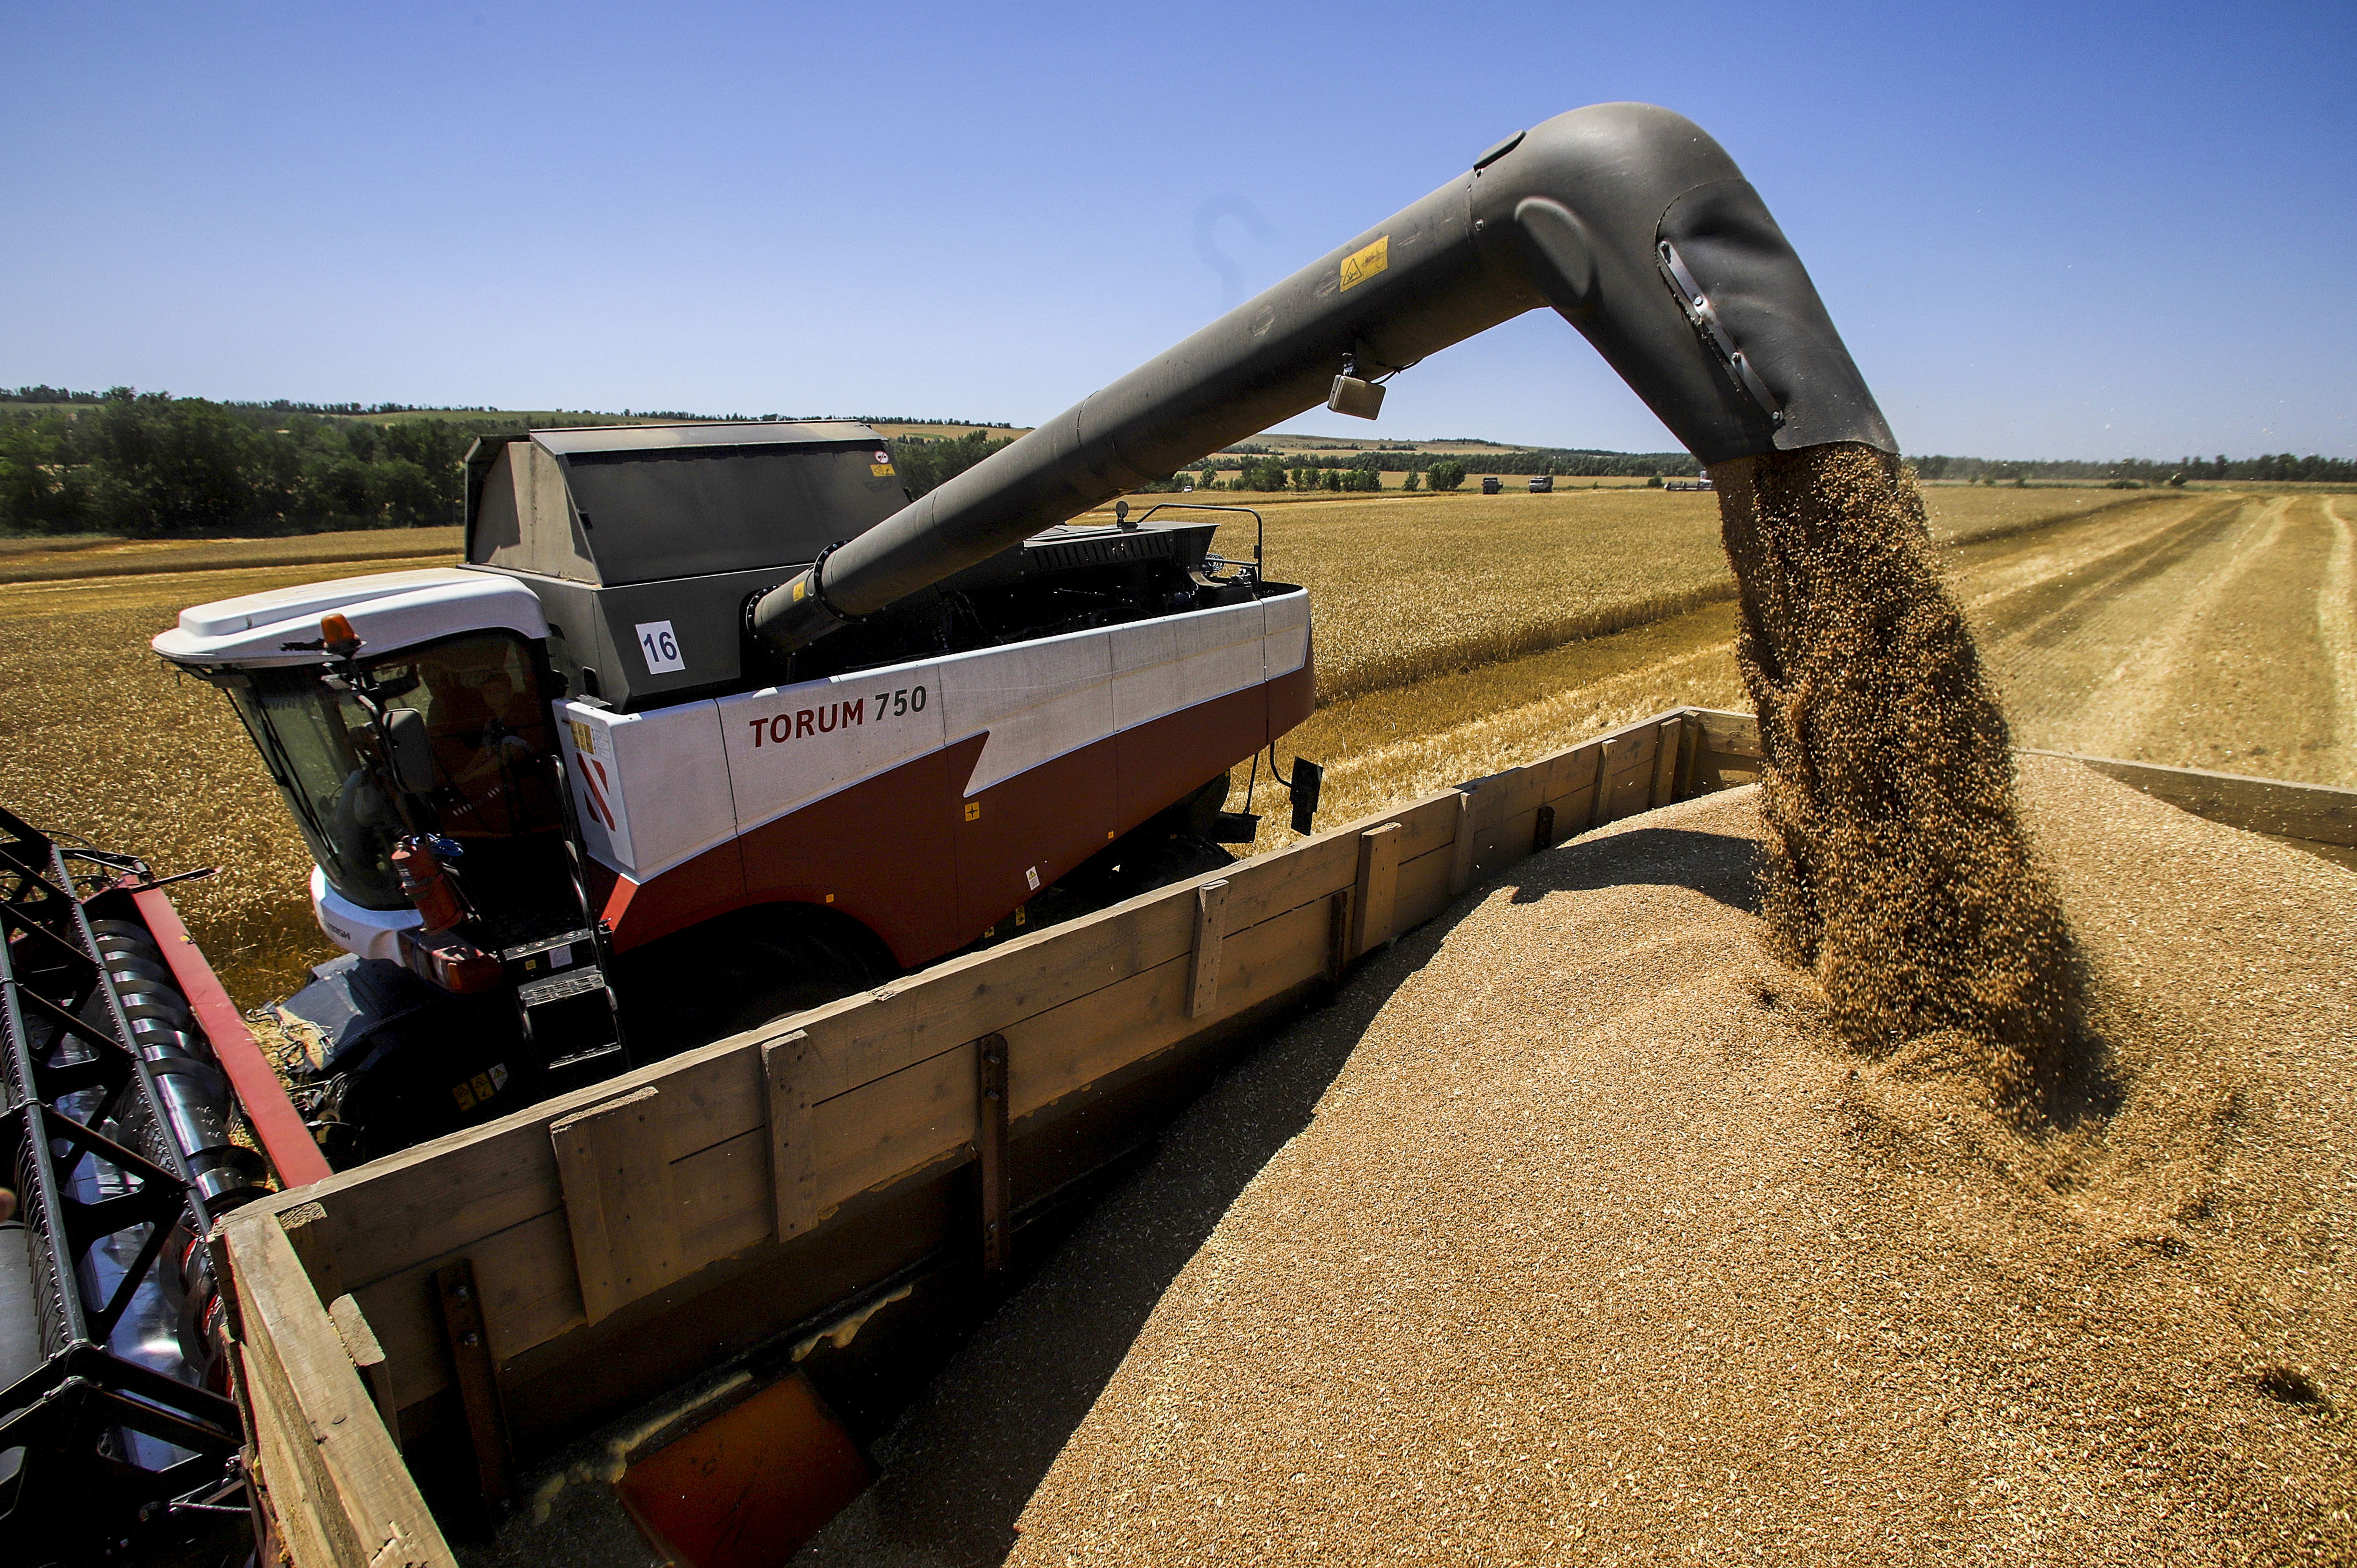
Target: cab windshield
493,776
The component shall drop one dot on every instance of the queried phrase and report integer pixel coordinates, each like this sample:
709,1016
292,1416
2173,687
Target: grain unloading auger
1626,218
716,723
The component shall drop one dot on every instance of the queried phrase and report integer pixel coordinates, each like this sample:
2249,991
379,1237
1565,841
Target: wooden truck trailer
445,1320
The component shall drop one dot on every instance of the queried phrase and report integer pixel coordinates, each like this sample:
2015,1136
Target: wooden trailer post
1338,936
1460,861
1689,747
478,1379
618,1203
990,1143
793,1157
333,1485
1210,926
1377,888
1667,736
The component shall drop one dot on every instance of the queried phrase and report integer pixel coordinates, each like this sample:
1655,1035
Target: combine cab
568,811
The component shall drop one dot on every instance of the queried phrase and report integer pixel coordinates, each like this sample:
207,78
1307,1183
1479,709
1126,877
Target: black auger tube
1626,218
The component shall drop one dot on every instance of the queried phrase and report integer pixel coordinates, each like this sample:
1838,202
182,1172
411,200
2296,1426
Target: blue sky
2045,231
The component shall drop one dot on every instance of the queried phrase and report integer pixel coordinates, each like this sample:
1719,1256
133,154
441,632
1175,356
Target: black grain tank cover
643,540
646,502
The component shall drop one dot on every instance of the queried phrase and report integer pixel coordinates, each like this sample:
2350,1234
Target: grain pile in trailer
1578,1227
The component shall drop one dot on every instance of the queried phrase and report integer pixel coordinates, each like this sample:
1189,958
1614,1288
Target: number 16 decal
660,646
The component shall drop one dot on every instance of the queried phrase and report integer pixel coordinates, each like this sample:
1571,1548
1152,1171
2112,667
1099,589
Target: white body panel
388,610
1035,699
658,788
1162,666
789,746
371,933
669,762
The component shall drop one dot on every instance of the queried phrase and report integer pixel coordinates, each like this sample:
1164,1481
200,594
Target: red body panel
876,850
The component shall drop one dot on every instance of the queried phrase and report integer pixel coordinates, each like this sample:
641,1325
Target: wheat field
1454,635
101,738
1408,587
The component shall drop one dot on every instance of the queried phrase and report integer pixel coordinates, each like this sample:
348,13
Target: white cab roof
389,610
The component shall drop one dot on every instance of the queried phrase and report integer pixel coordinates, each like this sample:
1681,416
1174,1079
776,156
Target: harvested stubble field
1422,604
54,560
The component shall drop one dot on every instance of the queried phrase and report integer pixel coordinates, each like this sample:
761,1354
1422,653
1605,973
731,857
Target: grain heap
1577,1231
1896,871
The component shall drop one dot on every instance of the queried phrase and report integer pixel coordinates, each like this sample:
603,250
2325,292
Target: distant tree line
142,463
146,462
1566,462
926,461
2150,471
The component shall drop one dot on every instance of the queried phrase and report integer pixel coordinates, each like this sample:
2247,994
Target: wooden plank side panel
2321,813
897,1124
1628,784
727,1201
1729,734
1502,843
1066,1050
1716,771
331,1446
293,1479
1570,787
915,1020
525,1275
1422,889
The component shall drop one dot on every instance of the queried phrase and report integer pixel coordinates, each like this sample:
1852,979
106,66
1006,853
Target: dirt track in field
2213,631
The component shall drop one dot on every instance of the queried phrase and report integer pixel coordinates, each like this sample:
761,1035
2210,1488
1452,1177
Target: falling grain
1896,872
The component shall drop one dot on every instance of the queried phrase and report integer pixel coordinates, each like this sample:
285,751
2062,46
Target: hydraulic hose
1626,220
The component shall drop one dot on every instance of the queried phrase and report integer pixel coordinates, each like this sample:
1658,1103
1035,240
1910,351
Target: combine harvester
648,830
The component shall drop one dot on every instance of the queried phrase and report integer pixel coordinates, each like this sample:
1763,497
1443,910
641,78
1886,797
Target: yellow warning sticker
584,739
881,470
1360,266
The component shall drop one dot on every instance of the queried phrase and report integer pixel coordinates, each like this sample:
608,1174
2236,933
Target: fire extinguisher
424,882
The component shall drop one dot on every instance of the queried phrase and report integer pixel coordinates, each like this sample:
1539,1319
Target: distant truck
1489,484
1543,484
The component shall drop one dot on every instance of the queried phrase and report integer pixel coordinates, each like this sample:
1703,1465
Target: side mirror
1121,515
1308,783
412,750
